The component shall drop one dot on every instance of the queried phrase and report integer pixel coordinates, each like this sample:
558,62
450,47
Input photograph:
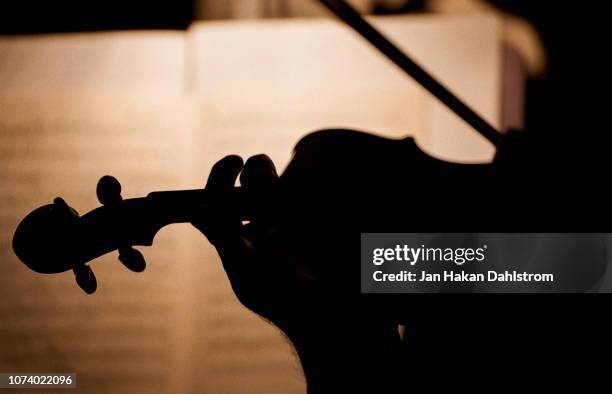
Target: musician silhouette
296,267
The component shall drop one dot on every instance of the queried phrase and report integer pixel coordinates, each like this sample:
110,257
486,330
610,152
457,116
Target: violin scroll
43,242
43,239
54,238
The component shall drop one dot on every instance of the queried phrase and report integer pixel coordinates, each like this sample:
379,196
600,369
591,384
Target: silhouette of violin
54,239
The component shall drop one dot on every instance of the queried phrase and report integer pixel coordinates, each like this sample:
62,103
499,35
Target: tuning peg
60,203
108,190
132,259
85,278
64,208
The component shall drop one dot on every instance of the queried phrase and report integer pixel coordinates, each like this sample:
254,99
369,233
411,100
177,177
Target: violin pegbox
108,191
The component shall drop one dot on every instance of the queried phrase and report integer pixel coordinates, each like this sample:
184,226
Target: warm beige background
156,110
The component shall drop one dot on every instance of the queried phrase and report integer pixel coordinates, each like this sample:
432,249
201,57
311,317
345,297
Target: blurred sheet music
156,110
266,83
123,338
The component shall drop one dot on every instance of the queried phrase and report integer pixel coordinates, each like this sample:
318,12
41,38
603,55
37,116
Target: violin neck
184,206
136,221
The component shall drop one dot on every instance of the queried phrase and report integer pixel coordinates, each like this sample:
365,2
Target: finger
258,172
258,177
216,220
224,173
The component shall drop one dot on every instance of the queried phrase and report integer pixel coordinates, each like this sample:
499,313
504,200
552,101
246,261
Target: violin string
349,15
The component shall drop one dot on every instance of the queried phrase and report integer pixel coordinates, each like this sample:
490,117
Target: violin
323,181
54,238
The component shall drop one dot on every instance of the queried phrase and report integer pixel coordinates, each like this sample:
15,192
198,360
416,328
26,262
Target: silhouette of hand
265,276
268,274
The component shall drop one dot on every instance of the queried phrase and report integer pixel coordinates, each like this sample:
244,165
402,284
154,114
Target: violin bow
352,18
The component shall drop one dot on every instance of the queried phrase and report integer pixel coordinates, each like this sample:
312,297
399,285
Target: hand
264,275
265,266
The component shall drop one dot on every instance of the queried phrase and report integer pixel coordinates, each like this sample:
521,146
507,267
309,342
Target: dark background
33,17
28,17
